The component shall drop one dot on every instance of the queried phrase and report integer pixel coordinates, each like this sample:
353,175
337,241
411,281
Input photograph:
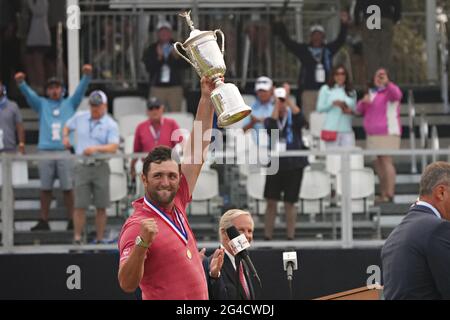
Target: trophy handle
223,39
175,46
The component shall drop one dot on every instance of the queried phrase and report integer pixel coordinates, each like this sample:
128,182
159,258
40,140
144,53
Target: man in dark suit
416,256
224,283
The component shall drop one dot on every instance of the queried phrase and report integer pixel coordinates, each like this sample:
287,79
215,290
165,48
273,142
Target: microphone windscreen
232,232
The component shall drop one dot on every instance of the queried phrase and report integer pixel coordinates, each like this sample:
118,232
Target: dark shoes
69,225
41,226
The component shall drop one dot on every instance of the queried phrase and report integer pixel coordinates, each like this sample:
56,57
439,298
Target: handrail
424,131
412,133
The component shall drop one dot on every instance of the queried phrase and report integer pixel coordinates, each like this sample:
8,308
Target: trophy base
229,105
229,117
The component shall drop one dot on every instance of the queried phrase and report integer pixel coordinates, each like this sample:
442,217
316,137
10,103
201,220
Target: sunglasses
154,108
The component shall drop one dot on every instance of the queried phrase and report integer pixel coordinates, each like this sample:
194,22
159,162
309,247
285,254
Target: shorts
383,142
92,185
286,182
49,170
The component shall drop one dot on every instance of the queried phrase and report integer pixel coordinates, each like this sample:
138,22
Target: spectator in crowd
316,59
156,131
220,267
38,43
377,43
262,108
287,118
416,256
95,133
159,224
54,111
381,110
11,125
165,67
338,100
9,44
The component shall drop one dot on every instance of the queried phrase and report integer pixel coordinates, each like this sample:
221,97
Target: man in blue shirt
95,133
262,108
54,111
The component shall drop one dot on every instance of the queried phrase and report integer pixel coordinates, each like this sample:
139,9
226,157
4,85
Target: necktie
243,281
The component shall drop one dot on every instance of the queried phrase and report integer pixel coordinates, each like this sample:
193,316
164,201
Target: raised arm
80,91
33,100
340,40
196,147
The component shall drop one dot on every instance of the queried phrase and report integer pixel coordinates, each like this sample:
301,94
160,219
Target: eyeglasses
154,108
340,74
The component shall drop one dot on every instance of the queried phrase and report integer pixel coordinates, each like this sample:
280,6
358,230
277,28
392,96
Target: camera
280,93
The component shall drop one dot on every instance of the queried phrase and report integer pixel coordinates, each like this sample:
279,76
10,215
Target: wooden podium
364,293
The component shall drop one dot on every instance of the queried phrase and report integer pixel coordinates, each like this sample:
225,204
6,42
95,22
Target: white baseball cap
315,28
163,24
97,98
263,83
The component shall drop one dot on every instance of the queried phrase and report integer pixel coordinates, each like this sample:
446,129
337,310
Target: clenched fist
87,69
149,230
20,76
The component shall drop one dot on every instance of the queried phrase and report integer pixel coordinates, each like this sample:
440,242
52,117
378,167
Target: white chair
315,191
116,165
84,105
129,123
362,189
316,121
118,187
19,173
129,105
333,162
185,120
249,99
255,189
206,189
140,190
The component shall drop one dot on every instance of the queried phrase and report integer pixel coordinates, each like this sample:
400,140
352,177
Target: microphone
238,244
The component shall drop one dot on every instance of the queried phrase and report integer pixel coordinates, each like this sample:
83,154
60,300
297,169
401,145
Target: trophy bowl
205,56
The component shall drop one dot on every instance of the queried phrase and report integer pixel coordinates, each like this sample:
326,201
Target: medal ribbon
181,233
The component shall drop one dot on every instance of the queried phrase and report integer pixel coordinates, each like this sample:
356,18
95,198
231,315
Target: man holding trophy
158,250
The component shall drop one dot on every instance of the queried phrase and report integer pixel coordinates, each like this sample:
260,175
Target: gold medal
189,254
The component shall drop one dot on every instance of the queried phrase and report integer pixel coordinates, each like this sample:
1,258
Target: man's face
264,95
244,224
442,193
155,113
54,91
162,181
164,35
317,38
98,111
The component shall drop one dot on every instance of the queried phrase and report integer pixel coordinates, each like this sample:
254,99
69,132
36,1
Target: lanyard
156,135
181,233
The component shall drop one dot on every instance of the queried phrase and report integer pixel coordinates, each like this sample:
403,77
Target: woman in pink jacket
381,110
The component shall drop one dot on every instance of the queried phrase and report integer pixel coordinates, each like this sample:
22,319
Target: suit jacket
416,257
228,286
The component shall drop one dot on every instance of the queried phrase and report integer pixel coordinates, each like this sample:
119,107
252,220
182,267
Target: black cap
54,80
153,102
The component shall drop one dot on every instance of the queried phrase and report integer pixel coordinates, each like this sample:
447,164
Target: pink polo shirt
146,139
170,273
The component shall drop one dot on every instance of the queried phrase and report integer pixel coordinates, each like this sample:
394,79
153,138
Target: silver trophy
206,57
